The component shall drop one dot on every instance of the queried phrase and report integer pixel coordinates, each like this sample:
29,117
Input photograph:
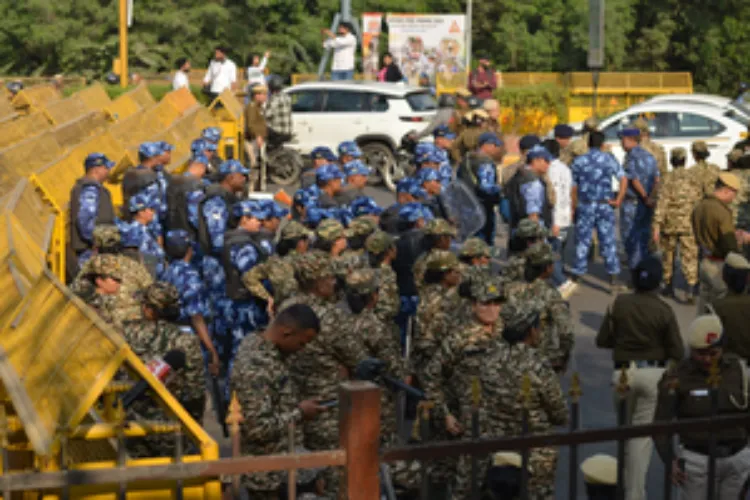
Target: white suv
376,115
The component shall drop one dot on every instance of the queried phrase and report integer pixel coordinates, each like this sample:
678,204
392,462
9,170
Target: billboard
433,44
371,23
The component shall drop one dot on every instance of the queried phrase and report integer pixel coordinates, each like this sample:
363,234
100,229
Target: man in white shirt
344,47
562,215
221,74
181,75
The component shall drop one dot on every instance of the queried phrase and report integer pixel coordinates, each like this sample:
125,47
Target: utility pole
596,47
469,13
123,43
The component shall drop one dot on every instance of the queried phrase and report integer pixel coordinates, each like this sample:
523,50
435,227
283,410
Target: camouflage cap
106,236
362,226
294,230
362,281
475,247
313,265
519,315
106,265
677,154
329,230
161,295
591,123
640,124
378,242
528,228
735,155
440,227
441,260
487,289
539,254
699,147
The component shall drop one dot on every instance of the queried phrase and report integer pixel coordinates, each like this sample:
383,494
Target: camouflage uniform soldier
330,237
151,338
672,226
135,276
380,340
707,173
279,268
381,249
656,150
439,233
437,302
741,204
354,257
556,327
527,233
333,355
458,361
105,278
475,268
522,381
580,145
268,395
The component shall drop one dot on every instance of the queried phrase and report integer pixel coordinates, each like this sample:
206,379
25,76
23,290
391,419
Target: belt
713,259
641,363
722,450
595,202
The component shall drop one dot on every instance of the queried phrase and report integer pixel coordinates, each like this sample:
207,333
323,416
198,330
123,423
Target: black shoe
667,290
575,278
690,296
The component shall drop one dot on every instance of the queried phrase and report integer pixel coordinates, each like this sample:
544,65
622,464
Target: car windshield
738,116
421,101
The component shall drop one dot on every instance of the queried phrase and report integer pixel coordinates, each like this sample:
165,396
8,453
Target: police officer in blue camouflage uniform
319,156
136,231
595,205
150,179
637,210
302,200
212,135
243,250
365,205
479,171
213,220
348,151
185,277
164,178
407,191
429,180
409,247
329,179
356,173
90,204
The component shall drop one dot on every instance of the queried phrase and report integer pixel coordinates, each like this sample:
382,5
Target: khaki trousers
712,286
640,401
731,474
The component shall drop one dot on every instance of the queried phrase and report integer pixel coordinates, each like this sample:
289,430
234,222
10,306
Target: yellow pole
123,43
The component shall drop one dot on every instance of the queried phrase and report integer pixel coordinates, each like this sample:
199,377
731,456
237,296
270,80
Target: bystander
221,74
180,79
344,45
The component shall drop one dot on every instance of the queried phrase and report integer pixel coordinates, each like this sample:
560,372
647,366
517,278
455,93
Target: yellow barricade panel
23,127
38,95
122,108
73,132
142,96
134,129
23,158
66,109
58,178
56,357
6,108
94,97
182,99
164,113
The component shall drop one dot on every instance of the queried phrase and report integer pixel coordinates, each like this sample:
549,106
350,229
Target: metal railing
361,457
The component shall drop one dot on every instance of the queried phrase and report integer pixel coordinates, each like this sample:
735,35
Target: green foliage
548,98
707,38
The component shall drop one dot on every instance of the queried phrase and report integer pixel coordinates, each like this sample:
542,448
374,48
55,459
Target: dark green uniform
734,311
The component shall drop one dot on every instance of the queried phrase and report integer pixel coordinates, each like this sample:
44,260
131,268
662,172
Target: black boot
667,290
690,295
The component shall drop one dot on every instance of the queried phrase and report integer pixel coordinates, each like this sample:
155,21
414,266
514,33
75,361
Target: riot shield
464,209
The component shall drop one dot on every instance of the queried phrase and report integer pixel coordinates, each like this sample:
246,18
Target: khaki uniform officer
734,309
642,331
715,234
693,400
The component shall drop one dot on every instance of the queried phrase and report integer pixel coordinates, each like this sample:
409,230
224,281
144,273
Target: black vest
177,212
105,213
135,180
212,191
518,202
239,237
409,247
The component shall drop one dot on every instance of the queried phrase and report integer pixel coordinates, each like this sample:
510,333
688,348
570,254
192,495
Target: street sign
596,34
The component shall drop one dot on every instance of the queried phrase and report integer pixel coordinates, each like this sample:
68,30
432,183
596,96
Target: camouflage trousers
688,256
323,434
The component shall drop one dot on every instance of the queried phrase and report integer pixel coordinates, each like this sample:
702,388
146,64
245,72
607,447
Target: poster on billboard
430,44
371,23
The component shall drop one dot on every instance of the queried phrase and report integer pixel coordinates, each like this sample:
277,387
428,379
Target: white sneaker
567,289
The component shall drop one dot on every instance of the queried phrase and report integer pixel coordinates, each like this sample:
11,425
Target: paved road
594,366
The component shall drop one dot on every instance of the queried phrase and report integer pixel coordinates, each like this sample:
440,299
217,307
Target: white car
729,106
376,115
679,125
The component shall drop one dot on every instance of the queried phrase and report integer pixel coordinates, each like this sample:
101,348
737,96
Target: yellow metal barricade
70,133
94,97
141,96
36,96
121,108
17,129
229,112
6,108
66,109
21,159
183,100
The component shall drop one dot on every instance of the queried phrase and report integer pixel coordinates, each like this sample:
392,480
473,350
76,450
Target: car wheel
284,166
379,158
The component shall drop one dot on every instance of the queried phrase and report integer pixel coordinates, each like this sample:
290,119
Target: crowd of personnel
281,304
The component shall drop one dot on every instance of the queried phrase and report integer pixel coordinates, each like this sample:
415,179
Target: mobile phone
329,403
